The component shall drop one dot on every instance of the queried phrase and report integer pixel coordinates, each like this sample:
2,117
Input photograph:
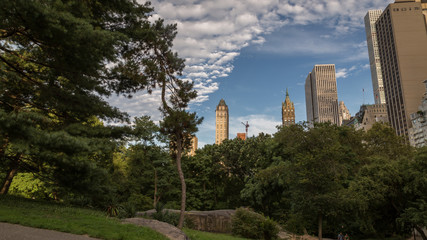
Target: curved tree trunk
320,226
155,197
13,169
421,232
183,186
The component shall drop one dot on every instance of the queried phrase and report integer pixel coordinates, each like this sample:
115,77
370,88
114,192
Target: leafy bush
166,216
170,217
249,224
28,186
140,201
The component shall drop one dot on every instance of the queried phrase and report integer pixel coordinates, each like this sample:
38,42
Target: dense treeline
325,179
321,180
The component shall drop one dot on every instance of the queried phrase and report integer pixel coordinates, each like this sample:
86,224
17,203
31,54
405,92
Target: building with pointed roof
288,111
194,146
222,122
344,113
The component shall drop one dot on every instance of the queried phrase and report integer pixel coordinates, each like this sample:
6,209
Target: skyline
249,52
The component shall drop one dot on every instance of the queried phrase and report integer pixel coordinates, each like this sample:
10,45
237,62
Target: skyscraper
374,56
288,111
321,95
221,129
402,42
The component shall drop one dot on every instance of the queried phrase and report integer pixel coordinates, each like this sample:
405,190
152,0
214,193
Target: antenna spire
246,127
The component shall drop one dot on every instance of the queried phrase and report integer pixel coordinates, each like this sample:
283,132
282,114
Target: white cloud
257,124
342,73
212,33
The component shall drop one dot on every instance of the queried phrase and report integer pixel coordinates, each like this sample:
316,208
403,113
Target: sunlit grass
75,220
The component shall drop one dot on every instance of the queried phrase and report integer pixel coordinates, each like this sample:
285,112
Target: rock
218,221
166,229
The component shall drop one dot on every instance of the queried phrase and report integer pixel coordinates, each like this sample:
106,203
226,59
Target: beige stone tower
321,96
374,56
402,44
288,111
344,113
221,129
194,146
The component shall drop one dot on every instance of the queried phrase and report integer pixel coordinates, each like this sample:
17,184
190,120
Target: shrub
172,218
248,224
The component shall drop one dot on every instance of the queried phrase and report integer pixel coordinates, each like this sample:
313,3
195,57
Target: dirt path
14,232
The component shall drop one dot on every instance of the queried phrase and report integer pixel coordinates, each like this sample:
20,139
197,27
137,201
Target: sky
248,52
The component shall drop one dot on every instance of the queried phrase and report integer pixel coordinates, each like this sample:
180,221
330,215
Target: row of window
405,9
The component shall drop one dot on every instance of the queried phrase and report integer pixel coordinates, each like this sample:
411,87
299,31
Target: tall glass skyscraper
374,55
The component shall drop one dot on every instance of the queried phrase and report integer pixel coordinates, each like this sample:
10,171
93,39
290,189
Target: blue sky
249,51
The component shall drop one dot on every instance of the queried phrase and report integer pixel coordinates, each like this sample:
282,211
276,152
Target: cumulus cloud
257,124
342,73
212,33
345,72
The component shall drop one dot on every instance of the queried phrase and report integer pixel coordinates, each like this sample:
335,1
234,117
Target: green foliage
27,185
59,60
217,173
249,224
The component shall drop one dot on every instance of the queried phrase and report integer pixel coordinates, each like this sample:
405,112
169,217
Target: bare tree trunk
421,232
10,174
181,178
155,200
320,226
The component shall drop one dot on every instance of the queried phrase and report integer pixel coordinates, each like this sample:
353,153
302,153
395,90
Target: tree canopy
59,60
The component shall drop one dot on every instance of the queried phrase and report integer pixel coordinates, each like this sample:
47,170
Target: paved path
17,232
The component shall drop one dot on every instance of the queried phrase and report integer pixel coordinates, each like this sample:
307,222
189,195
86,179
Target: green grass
63,218
198,235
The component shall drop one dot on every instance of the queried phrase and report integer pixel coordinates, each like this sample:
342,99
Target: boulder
218,221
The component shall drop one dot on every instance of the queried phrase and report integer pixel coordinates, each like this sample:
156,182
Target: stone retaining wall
209,221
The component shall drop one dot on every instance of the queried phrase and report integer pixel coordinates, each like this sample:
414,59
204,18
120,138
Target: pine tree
59,60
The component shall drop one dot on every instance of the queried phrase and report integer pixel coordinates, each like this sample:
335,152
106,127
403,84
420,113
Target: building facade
194,146
222,121
368,115
402,43
418,132
374,56
344,113
288,111
241,136
321,95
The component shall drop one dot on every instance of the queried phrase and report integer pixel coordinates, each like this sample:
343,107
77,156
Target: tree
58,62
415,209
219,172
180,126
378,186
308,176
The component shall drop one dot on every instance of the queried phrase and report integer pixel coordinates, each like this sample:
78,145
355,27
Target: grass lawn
198,235
62,218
